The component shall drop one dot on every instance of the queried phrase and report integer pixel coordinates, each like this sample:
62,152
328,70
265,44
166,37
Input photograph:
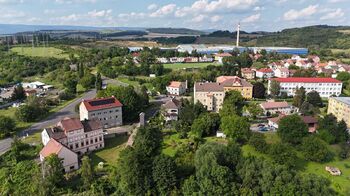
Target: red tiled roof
271,105
71,124
175,84
265,70
307,80
247,70
223,54
102,103
52,147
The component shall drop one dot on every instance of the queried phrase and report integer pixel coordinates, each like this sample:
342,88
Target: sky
254,15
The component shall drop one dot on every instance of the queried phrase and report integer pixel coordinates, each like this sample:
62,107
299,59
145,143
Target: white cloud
11,1
215,18
335,14
252,18
101,13
152,7
164,11
217,6
297,14
336,1
199,18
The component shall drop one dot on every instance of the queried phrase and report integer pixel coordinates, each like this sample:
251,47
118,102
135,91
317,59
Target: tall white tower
238,29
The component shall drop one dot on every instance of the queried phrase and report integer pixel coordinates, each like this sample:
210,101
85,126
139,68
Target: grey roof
209,87
345,100
172,104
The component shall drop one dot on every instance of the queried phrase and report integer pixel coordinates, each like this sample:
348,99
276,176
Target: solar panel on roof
101,102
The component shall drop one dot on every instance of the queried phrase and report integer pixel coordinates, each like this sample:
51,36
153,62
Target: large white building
176,88
326,87
107,110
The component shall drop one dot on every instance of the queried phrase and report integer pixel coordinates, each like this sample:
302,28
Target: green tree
253,109
157,69
18,93
257,140
259,90
308,109
315,149
275,88
341,132
233,103
148,140
87,172
292,129
314,98
70,85
164,174
87,81
236,128
54,171
99,83
7,125
299,97
205,125
343,76
283,154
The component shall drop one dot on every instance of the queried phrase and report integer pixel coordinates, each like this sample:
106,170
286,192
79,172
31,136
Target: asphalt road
69,111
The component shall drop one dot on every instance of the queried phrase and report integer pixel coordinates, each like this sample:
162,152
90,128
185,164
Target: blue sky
254,15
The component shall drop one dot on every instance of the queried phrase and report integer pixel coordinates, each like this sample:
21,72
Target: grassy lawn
33,139
186,65
11,112
110,153
41,52
136,84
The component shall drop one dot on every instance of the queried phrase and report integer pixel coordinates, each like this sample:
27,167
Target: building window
76,145
82,144
87,142
116,117
91,141
95,140
100,138
71,146
72,167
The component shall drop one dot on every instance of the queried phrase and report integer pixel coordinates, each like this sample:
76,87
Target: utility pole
238,29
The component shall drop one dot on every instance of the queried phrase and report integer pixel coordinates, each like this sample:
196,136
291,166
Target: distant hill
181,31
321,36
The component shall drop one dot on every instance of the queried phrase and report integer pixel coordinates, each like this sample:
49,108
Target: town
175,111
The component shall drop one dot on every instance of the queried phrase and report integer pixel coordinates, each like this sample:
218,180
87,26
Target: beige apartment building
78,136
340,108
212,94
107,110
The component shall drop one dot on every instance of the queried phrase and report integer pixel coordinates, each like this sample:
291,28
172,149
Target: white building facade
326,87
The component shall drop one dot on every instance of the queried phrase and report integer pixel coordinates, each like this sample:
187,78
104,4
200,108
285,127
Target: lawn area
41,52
136,84
33,139
111,151
171,142
186,65
11,112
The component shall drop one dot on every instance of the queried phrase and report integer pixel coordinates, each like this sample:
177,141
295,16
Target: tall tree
236,127
87,172
7,125
18,93
233,103
164,174
259,90
315,149
99,82
299,97
292,129
54,171
275,88
314,98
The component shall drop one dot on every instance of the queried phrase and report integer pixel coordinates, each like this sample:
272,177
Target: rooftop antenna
238,31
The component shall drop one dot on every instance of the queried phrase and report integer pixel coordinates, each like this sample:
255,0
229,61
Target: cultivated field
40,52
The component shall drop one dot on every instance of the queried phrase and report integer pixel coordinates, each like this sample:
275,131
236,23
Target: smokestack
238,29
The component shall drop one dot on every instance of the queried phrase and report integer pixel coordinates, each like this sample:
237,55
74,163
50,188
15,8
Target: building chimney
238,31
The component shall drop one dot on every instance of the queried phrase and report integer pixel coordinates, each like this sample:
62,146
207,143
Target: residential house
79,136
281,72
220,56
30,92
212,94
235,83
326,87
163,60
264,73
191,60
340,108
310,121
108,111
206,58
177,59
68,157
176,88
272,107
171,110
248,73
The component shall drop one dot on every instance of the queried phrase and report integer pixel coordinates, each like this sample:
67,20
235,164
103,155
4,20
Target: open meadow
41,52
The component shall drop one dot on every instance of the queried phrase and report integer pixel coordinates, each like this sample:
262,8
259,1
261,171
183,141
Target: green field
186,65
110,153
41,52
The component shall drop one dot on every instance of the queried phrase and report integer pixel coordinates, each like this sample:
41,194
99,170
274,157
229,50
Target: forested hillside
311,37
